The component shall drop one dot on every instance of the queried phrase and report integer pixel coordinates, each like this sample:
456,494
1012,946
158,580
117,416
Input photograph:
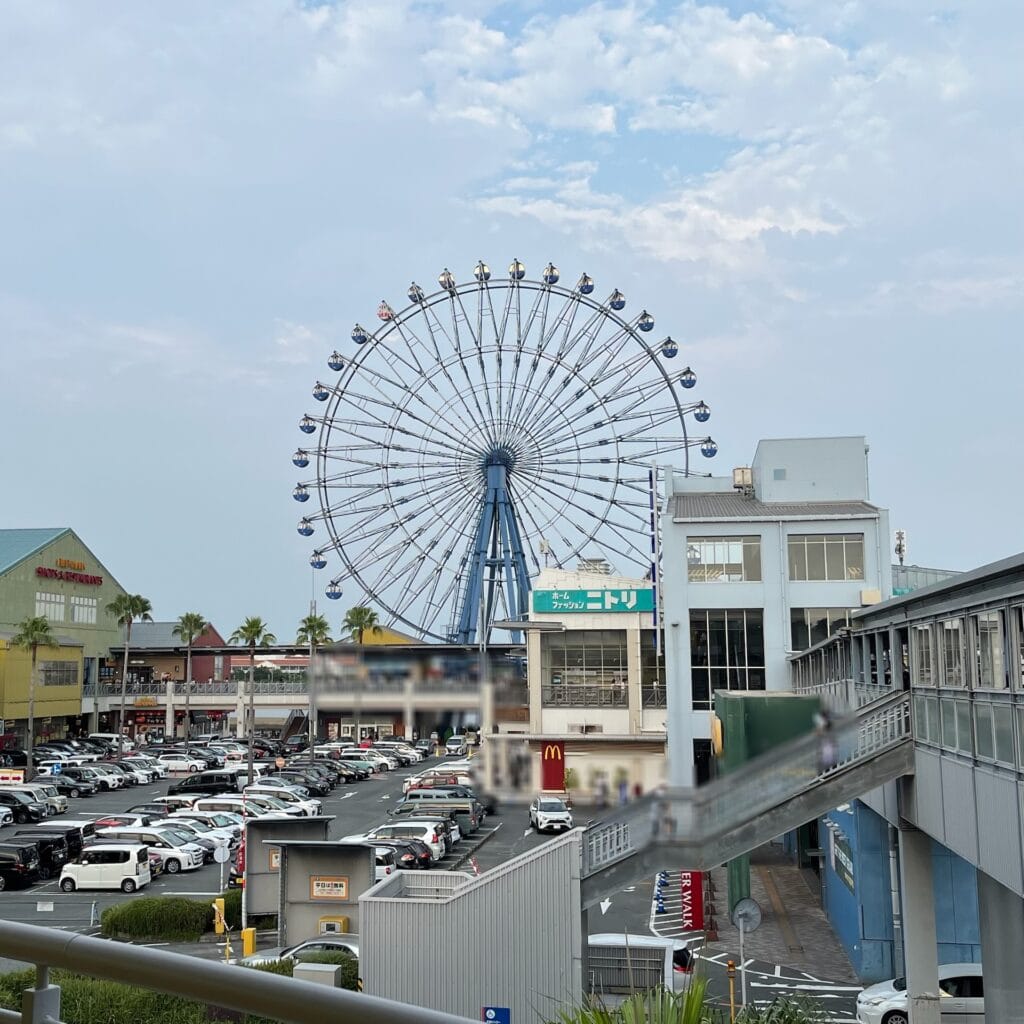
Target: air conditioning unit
870,597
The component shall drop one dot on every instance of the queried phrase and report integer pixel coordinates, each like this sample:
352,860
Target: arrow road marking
605,904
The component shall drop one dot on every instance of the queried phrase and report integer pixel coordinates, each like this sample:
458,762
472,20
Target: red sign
691,887
552,766
66,574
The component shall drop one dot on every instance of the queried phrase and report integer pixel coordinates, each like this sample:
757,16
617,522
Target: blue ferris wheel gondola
300,458
441,476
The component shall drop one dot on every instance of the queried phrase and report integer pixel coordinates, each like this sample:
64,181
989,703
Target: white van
648,960
176,854
123,866
456,747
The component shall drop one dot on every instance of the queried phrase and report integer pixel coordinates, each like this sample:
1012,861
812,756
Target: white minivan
111,737
175,854
123,866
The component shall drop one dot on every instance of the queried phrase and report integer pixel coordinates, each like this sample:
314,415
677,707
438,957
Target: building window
58,673
585,668
83,610
726,651
723,559
652,672
51,606
828,556
951,644
809,626
989,663
923,656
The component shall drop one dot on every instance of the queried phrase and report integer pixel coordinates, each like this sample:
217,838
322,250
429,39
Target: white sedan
181,763
961,997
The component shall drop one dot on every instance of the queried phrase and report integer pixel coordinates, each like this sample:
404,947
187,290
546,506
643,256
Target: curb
472,853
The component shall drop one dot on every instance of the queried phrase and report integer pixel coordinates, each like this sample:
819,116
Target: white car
149,763
194,828
549,814
310,807
203,827
176,854
961,998
181,763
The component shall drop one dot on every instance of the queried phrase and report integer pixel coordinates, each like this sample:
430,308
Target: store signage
145,702
842,859
552,766
69,563
70,575
577,601
9,775
274,862
691,887
328,887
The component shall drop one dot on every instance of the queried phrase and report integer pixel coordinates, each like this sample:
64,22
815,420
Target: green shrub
786,1010
232,908
168,918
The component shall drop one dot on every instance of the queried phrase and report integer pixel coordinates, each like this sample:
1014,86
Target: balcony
567,695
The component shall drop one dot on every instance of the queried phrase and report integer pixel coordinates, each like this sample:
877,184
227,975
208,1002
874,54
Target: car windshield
551,805
900,984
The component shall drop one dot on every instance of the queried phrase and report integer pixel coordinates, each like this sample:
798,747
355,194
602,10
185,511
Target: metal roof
696,507
17,545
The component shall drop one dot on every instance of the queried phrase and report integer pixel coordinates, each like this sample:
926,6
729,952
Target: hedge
168,918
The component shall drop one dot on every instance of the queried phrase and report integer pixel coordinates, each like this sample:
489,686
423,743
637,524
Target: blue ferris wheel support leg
497,545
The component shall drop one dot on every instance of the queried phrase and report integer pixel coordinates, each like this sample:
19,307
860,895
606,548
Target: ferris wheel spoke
477,336
539,309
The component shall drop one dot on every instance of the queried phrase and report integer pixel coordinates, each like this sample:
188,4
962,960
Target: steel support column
920,948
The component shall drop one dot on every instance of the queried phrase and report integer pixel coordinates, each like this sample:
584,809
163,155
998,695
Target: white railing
230,987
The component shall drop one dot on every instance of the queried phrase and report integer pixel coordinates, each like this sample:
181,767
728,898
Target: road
360,806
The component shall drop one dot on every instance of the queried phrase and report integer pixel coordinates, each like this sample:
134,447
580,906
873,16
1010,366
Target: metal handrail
231,987
588,695
751,790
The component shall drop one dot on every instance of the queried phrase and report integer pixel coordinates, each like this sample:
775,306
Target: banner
691,887
552,766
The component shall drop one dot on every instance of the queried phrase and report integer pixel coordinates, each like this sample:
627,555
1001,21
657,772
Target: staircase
697,829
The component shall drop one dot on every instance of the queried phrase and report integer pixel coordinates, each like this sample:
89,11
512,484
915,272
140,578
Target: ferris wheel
484,431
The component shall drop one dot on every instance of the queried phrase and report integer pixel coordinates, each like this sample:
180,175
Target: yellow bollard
248,941
730,970
218,916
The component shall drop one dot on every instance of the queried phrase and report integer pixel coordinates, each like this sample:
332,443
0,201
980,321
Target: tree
190,627
314,630
361,620
126,608
253,632
33,633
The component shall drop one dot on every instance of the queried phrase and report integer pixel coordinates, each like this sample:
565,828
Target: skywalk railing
230,987
700,815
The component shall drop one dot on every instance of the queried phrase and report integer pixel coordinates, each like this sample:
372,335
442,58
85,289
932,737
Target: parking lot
354,808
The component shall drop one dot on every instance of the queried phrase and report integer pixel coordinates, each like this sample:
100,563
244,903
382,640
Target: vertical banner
691,886
552,766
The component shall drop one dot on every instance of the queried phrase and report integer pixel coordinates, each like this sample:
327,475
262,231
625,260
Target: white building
758,565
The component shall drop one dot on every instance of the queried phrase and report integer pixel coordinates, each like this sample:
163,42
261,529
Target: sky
821,200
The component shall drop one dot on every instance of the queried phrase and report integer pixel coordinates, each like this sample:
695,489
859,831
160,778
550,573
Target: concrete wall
811,469
512,937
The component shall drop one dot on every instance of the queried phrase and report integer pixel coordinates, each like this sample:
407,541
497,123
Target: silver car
303,950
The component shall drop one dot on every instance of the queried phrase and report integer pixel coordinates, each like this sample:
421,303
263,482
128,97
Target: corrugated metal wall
511,937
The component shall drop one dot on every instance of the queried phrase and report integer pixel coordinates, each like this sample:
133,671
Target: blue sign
496,1015
55,769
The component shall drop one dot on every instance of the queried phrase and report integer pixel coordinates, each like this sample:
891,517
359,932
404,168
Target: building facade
758,565
51,573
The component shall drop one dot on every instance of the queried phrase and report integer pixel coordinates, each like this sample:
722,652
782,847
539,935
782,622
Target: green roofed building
50,572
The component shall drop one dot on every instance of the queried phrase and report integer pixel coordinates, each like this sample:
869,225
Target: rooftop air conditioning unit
743,480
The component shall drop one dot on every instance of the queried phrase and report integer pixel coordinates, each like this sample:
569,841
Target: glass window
723,559
809,626
948,724
832,556
1003,721
983,731
51,606
923,656
963,726
585,668
726,652
990,665
951,642
83,610
58,673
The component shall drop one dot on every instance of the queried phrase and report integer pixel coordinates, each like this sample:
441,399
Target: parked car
423,831
303,950
128,820
6,816
19,864
549,814
90,774
23,807
178,854
52,849
181,762
962,997
222,821
410,854
74,841
71,787
455,747
108,865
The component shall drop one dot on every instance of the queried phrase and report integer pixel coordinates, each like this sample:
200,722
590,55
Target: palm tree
126,608
360,620
33,633
314,630
253,633
190,628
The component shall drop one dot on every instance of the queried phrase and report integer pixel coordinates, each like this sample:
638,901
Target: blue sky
820,198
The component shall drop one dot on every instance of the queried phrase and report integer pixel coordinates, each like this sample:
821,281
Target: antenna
901,545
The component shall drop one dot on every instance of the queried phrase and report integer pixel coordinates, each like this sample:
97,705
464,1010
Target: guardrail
699,815
230,987
566,695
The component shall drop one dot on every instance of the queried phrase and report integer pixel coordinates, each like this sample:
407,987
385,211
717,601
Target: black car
313,784
51,847
71,787
410,854
19,864
74,841
86,774
23,807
